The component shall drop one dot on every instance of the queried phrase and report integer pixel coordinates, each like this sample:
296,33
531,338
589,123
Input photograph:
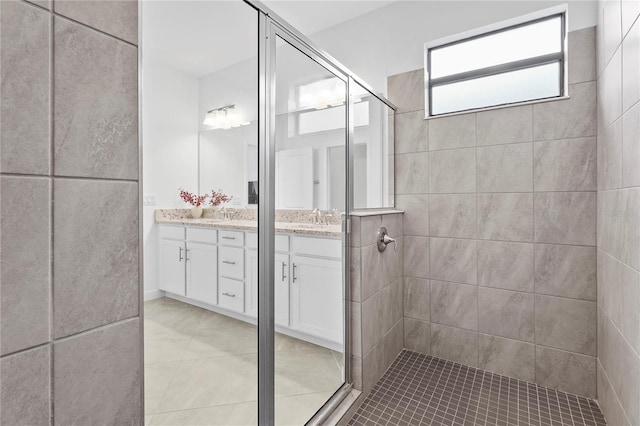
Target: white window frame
498,27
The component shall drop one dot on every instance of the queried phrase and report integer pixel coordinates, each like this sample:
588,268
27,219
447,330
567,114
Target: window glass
516,86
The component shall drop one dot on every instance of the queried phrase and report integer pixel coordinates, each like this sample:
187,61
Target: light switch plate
149,199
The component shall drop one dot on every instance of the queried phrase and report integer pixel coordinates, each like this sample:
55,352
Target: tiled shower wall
619,211
70,333
376,298
500,230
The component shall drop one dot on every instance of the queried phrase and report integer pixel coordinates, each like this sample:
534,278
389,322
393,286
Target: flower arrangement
218,197
215,198
193,199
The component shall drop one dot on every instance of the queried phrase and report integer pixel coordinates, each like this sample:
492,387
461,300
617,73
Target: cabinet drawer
231,238
171,232
231,294
231,262
324,247
282,241
201,235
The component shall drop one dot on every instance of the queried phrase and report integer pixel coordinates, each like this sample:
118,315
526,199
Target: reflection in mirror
228,160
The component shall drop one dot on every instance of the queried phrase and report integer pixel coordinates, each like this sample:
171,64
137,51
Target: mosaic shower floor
423,390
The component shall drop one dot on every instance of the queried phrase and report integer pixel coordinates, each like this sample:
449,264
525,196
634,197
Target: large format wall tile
453,260
24,388
416,257
569,118
565,165
25,277
458,131
622,366
568,271
618,224
454,344
610,157
417,335
565,218
608,400
118,18
582,55
505,125
95,254
416,298
97,377
505,168
567,324
609,99
506,313
411,133
505,217
507,357
454,304
506,265
631,147
416,213
630,12
95,136
566,371
412,173
452,215
406,90
631,67
25,86
452,171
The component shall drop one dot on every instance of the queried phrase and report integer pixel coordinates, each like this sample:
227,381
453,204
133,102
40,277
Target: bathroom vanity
213,264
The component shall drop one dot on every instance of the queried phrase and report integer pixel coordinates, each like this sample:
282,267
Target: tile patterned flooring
201,369
423,390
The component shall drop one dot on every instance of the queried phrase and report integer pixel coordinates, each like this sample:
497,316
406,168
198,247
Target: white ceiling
200,37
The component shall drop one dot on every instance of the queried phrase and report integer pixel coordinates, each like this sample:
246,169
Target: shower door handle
294,277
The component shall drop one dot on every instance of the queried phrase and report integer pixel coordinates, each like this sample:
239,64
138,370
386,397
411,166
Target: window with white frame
509,63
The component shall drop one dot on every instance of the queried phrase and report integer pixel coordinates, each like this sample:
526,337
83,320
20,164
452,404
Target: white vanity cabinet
316,288
218,270
281,278
201,273
188,262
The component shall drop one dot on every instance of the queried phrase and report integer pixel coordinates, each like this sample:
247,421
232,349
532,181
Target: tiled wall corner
618,207
500,230
70,334
376,298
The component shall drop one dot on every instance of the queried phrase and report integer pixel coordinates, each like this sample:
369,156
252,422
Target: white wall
390,40
170,147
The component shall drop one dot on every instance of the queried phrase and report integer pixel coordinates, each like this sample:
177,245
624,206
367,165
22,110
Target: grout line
52,211
20,351
87,26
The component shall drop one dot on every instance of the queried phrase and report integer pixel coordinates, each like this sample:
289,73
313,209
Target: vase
196,212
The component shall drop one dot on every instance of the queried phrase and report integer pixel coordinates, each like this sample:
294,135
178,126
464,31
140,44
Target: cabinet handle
284,265
295,267
186,255
228,238
180,254
228,262
229,294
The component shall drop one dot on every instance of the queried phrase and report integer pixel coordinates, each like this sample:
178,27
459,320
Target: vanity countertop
251,225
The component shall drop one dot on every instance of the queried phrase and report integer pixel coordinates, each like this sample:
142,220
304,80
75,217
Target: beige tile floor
201,369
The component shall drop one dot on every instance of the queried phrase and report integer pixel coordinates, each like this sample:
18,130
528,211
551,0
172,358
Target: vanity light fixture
224,117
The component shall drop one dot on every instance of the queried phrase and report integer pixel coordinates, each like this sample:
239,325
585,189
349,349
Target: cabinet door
251,274
172,270
316,297
202,272
281,283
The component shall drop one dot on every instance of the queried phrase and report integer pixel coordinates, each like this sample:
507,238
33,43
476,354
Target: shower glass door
310,136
